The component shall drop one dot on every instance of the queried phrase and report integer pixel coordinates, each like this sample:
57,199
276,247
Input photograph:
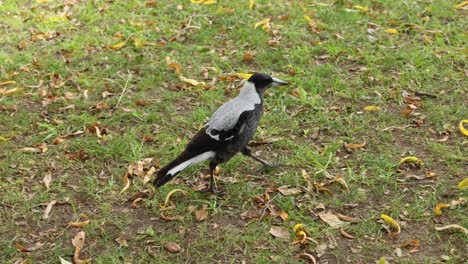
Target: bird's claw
213,190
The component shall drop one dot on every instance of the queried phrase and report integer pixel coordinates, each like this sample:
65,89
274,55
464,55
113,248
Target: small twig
397,127
123,91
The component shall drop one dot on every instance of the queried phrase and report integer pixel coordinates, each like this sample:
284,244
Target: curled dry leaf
286,190
265,24
48,209
452,227
127,183
170,218
372,108
191,81
332,220
394,224
117,46
122,242
78,242
355,145
7,82
347,218
306,256
411,159
279,232
275,210
58,140
463,184
63,261
168,196
148,175
391,31
205,2
21,247
79,224
346,234
173,247
201,214
462,127
438,208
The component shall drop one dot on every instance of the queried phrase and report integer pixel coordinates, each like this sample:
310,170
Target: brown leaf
81,155
21,247
170,218
355,145
149,138
121,241
141,102
345,234
248,56
306,256
127,183
79,224
79,239
346,218
275,210
173,247
286,190
202,214
332,219
58,140
407,112
279,232
46,213
414,101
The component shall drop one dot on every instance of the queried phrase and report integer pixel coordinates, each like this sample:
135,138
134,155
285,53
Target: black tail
163,176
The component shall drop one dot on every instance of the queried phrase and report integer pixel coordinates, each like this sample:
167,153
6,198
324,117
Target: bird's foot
213,190
268,166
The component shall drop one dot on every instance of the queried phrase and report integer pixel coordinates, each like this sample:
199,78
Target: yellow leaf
391,222
117,46
138,42
168,196
462,128
58,18
262,23
244,75
461,5
41,1
372,108
251,4
205,2
308,18
438,208
382,260
411,159
463,184
191,81
5,138
6,82
363,9
13,91
391,31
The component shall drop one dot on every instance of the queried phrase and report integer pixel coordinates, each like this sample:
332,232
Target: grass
66,69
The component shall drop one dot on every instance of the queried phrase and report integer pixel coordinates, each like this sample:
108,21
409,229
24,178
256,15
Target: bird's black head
263,81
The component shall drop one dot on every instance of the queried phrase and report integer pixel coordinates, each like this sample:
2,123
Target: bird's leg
212,187
247,152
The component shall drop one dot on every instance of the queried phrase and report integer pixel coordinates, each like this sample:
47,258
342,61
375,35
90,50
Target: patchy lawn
94,94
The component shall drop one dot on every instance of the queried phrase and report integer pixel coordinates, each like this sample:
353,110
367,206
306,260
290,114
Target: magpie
226,133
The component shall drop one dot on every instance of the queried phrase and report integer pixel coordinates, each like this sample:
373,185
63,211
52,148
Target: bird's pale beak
277,82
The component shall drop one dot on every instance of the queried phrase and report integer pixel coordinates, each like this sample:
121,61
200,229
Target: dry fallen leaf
355,145
79,224
372,108
265,24
306,256
438,208
127,183
172,247
453,227
332,220
21,247
461,5
463,184
201,214
49,206
411,159
394,224
47,179
6,82
286,190
168,196
391,31
78,243
191,81
122,242
63,261
279,232
345,234
462,128
117,45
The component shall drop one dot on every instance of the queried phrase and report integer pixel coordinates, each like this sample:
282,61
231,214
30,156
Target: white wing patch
202,157
227,116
